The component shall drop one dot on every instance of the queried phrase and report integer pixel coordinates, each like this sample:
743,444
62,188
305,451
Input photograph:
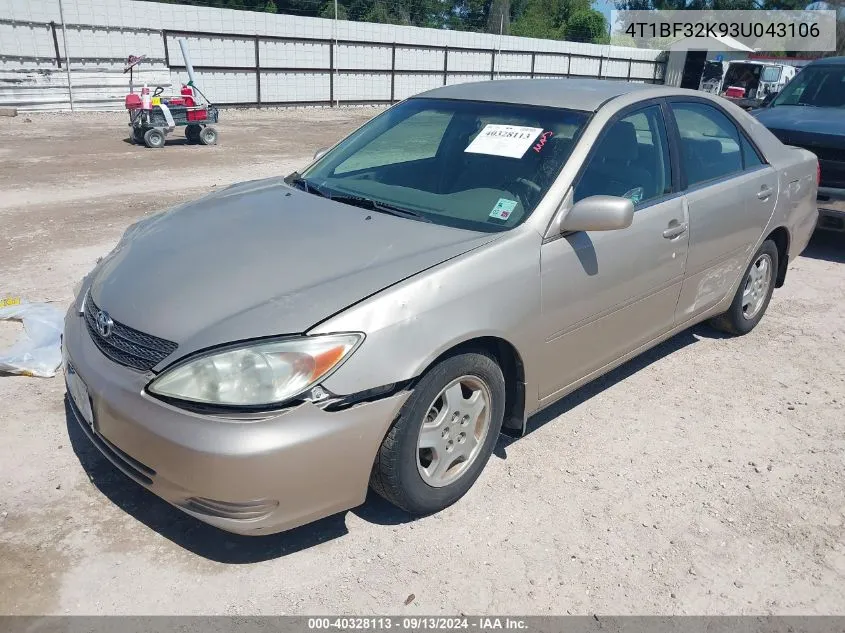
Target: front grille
831,164
125,345
831,157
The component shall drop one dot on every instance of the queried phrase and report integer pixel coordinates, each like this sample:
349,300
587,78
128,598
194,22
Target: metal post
56,44
601,63
393,73
492,63
335,36
331,74
568,65
67,58
257,74
630,62
445,65
533,59
501,29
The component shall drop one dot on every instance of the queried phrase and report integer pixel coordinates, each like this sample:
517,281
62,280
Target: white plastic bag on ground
39,350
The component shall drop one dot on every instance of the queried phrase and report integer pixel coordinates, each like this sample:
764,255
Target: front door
606,293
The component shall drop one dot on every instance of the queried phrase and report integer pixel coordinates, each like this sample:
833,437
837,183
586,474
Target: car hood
260,259
792,124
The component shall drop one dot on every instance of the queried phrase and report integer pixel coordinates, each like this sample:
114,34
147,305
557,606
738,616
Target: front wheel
192,132
753,295
444,435
154,138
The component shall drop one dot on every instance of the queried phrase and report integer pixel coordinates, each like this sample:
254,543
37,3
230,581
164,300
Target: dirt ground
705,477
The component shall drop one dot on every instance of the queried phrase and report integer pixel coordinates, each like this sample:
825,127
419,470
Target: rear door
730,192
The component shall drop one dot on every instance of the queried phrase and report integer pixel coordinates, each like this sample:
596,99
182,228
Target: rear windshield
820,86
744,76
476,165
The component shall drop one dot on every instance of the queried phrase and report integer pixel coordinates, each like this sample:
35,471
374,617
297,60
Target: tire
192,133
404,473
154,138
208,136
137,136
753,295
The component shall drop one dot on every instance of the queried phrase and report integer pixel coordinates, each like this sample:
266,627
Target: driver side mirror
599,213
320,153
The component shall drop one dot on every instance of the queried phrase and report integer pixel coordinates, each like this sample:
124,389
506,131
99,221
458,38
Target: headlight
262,373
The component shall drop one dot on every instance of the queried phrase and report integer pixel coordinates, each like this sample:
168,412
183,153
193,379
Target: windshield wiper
306,185
381,207
356,201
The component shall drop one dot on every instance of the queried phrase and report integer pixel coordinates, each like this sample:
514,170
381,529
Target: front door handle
764,193
675,229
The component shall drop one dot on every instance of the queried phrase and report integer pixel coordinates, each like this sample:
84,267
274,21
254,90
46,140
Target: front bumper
249,477
831,204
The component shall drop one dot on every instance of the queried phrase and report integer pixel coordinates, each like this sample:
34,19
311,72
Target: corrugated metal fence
252,59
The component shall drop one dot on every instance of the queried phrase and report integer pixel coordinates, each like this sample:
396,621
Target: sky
605,6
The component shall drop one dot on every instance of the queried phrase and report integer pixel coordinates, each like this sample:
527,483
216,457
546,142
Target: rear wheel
208,136
443,436
753,295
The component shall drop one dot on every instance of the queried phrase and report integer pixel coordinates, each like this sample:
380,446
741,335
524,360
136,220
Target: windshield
771,73
820,86
476,165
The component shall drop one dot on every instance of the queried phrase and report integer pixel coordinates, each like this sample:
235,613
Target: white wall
102,33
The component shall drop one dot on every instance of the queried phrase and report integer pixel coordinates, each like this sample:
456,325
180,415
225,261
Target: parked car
466,258
810,113
746,83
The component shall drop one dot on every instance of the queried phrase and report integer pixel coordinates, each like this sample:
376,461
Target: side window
631,160
419,137
750,157
710,142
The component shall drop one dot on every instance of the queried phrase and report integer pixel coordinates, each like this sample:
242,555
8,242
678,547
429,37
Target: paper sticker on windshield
503,209
504,140
634,195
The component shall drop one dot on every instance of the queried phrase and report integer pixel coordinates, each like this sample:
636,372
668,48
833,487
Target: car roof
573,94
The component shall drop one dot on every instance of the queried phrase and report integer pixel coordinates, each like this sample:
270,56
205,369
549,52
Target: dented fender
493,290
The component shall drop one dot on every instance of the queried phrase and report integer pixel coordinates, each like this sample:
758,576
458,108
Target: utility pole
67,58
336,74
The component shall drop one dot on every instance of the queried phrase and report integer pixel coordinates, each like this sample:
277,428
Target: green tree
587,26
328,11
270,7
499,17
560,19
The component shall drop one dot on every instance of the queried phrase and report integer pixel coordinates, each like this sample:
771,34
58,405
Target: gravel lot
705,477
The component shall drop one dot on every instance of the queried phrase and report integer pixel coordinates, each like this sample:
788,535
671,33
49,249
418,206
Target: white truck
745,82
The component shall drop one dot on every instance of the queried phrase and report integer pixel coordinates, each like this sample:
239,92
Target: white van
746,83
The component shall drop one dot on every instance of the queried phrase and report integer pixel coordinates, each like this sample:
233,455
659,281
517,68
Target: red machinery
152,117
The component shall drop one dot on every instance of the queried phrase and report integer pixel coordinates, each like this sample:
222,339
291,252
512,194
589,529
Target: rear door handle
675,230
764,192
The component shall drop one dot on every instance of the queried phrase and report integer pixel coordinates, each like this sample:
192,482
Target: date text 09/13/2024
417,623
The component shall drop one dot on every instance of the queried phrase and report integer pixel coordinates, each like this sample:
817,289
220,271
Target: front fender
491,291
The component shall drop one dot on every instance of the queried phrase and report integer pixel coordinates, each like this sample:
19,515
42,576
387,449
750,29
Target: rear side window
710,142
750,157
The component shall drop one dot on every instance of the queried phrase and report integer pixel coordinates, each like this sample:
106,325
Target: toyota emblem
104,324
